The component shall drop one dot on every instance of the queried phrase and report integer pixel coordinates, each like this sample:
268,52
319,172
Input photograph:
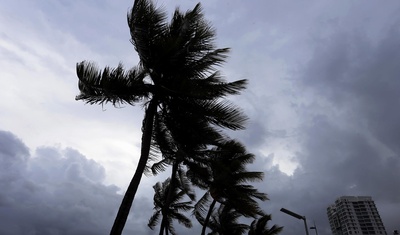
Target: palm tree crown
168,211
228,185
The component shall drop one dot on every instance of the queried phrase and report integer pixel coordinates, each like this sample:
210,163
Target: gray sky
323,102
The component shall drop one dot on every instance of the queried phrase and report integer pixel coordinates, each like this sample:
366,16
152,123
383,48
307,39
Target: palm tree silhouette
176,73
225,222
185,146
228,183
260,227
168,211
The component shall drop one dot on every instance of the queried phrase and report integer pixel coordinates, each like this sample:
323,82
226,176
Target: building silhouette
351,215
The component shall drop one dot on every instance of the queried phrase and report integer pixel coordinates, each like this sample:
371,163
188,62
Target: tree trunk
129,196
203,231
163,227
170,195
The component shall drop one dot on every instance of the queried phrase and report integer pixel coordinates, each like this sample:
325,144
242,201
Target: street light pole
297,216
314,227
305,224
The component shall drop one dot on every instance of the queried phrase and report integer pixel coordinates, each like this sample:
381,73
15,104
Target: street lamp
314,227
297,216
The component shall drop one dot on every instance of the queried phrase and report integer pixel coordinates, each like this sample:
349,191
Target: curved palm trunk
126,203
203,231
169,197
163,227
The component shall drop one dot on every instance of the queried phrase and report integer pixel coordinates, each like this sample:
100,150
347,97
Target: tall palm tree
172,210
177,71
228,185
260,227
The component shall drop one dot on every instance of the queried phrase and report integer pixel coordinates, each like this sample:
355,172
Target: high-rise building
351,215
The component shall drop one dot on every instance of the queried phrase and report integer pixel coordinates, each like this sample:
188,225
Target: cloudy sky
323,102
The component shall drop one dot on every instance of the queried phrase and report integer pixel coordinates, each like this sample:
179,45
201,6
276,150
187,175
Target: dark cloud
13,156
334,162
58,191
349,130
360,77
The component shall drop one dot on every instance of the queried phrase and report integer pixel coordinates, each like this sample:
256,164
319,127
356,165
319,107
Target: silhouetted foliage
260,227
225,222
186,111
169,209
228,185
177,70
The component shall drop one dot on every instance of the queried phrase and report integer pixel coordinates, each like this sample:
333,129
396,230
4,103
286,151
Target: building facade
351,215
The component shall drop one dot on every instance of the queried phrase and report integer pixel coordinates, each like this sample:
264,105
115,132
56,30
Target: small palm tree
176,73
225,222
260,227
228,185
169,211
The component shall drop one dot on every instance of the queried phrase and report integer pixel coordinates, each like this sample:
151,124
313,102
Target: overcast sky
323,101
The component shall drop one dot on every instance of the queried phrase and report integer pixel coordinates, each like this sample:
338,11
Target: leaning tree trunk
129,196
171,190
163,227
203,231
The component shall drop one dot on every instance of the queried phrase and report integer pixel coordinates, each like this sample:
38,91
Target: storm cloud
57,190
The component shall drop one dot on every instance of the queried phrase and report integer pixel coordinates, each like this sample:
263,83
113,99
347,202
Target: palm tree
260,227
182,140
225,222
177,71
169,210
229,175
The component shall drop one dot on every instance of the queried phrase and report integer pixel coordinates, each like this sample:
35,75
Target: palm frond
198,175
147,25
275,229
154,219
250,191
178,196
201,207
160,166
260,227
112,85
154,156
192,38
202,66
182,219
185,185
243,177
225,221
170,227
219,113
162,136
208,88
183,206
